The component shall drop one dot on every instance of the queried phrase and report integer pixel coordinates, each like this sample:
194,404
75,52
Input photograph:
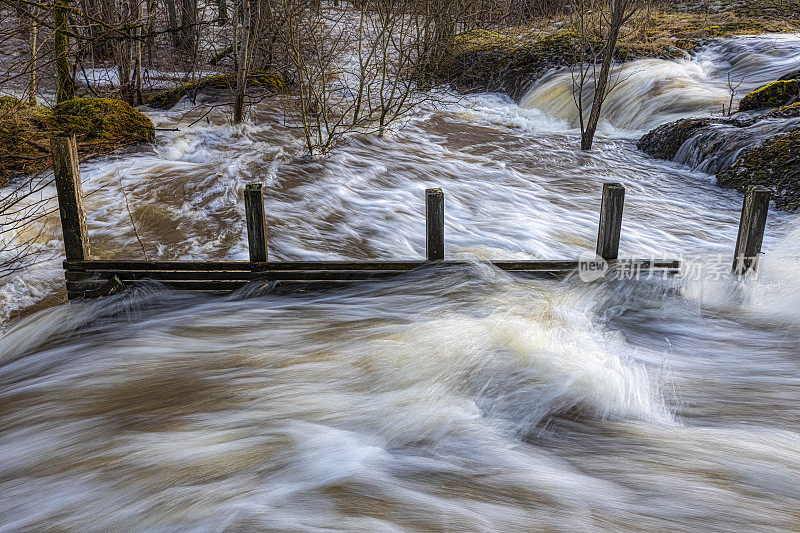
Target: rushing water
463,399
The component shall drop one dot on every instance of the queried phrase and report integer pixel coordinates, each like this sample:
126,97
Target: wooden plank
90,286
241,267
246,266
256,224
91,283
72,275
131,275
85,285
97,264
112,285
70,197
751,229
610,221
434,224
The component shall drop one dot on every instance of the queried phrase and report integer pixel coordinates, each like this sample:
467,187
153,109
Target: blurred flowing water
445,400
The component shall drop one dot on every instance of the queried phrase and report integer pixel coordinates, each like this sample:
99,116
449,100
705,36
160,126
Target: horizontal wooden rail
403,266
90,278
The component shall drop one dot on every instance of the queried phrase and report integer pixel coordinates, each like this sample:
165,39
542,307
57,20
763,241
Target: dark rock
793,75
786,111
761,148
665,141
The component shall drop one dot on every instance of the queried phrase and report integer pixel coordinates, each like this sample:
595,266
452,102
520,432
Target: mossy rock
259,80
12,103
665,141
507,62
100,125
786,111
102,119
775,94
774,164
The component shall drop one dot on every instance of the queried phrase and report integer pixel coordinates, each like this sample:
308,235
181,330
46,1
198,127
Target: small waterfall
644,94
649,92
715,147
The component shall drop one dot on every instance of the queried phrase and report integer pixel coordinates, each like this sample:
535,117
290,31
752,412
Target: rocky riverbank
510,61
759,145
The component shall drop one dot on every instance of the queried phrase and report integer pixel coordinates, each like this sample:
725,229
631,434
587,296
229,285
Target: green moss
11,102
775,164
257,79
775,94
102,119
687,44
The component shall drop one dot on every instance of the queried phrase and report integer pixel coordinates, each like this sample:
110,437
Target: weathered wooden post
70,197
434,224
256,232
610,221
751,229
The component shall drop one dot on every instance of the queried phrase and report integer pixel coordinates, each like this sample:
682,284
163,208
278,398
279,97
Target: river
444,400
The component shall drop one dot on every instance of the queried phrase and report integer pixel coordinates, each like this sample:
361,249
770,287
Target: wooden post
70,197
256,232
434,222
751,229
610,221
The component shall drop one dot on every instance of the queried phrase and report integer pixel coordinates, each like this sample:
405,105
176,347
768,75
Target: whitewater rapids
444,400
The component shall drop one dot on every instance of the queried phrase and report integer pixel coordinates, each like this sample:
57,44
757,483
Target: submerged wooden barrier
751,229
87,278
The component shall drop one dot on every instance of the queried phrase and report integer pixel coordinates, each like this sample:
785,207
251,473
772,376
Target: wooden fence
86,277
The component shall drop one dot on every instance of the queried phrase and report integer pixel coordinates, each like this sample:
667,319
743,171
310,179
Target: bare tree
603,21
353,70
732,88
242,40
66,83
33,39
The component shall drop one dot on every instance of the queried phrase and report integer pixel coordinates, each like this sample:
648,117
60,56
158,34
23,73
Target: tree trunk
618,8
66,85
136,11
222,12
152,8
34,38
137,68
243,11
188,22
172,21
